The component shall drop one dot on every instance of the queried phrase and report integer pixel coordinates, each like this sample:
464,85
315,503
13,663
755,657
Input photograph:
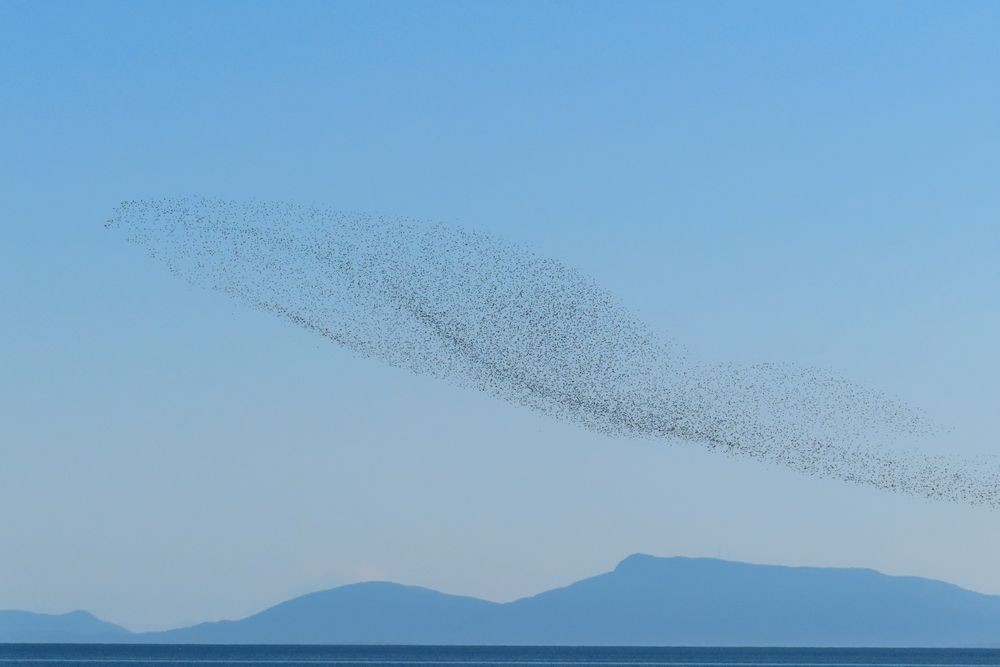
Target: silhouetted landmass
643,601
76,626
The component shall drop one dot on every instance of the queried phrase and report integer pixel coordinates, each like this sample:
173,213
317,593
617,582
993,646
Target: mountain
685,601
643,601
76,626
369,613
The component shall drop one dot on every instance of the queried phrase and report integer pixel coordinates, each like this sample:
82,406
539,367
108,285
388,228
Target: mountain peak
641,561
636,560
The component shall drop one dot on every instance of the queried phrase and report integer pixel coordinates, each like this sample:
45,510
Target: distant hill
76,626
368,613
693,602
643,601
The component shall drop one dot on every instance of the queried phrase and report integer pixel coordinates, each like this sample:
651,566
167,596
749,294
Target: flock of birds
494,316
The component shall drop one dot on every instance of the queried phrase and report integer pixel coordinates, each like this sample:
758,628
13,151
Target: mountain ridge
74,626
644,600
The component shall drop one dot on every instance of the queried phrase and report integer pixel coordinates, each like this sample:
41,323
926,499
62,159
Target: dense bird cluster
491,315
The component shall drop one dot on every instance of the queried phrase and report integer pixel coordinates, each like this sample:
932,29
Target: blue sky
802,182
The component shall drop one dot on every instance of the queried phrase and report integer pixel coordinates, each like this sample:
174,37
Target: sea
120,655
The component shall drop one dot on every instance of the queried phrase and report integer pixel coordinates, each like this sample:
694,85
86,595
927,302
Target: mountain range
644,601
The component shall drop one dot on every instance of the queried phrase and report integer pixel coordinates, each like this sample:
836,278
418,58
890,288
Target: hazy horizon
733,603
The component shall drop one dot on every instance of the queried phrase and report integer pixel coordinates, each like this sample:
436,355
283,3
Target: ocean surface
129,654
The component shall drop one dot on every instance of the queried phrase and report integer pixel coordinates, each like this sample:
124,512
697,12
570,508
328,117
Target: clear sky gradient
813,183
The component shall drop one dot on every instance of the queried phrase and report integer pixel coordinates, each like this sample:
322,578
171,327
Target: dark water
386,656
